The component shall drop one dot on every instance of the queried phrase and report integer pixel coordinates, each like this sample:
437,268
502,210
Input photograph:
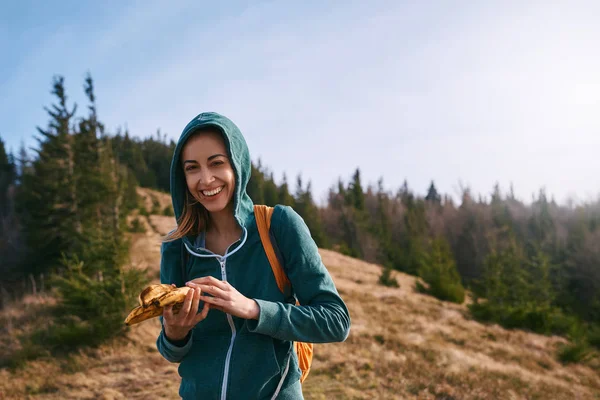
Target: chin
215,208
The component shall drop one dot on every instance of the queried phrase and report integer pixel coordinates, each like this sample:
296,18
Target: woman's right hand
178,325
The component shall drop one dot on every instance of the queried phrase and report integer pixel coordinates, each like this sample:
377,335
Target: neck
223,222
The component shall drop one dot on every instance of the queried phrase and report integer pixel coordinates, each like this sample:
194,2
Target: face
208,172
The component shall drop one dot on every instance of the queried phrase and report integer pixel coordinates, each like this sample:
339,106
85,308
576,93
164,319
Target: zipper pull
223,272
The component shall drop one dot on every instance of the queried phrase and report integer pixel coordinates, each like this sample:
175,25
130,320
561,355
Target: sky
464,93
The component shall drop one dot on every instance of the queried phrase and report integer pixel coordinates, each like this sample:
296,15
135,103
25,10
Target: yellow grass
402,345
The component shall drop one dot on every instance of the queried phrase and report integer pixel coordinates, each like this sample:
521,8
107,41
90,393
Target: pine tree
129,152
255,187
270,191
23,163
354,217
505,285
541,293
11,243
285,196
580,283
308,210
519,293
47,198
472,243
541,226
355,194
432,194
7,178
413,243
88,151
507,278
336,197
156,155
382,225
403,193
95,290
438,270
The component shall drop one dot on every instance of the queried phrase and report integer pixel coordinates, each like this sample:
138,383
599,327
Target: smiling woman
208,170
242,342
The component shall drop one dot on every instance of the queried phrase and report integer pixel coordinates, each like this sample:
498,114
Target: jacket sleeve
322,315
170,272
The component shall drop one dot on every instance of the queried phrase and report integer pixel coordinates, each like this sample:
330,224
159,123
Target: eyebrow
209,158
215,156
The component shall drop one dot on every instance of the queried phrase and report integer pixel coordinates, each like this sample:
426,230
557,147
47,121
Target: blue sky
461,92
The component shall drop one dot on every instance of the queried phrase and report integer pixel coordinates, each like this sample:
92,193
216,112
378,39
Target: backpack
263,215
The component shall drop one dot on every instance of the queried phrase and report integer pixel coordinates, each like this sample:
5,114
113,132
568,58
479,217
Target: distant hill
402,345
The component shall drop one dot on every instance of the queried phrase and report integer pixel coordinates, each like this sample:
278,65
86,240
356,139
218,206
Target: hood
238,153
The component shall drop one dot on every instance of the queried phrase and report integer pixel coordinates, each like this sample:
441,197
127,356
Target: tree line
534,266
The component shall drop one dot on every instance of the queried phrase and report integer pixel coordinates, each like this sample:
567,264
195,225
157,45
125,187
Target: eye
190,167
217,163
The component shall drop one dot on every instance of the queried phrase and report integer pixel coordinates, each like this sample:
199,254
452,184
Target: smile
214,192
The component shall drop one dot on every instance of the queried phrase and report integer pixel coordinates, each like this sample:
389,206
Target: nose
206,177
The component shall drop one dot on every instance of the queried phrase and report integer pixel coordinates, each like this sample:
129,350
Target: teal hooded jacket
226,357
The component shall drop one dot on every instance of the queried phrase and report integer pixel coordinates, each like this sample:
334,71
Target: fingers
209,280
212,290
168,314
194,307
187,305
215,302
203,314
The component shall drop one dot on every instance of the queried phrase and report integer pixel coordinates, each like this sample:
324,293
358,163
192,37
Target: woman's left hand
225,297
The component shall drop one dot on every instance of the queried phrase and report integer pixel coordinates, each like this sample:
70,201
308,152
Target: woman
233,337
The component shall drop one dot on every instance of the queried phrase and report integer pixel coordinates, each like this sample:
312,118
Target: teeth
212,192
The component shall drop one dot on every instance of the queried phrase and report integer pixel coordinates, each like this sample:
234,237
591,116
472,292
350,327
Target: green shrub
64,334
92,307
386,278
155,206
438,270
344,249
573,352
137,226
443,291
593,336
168,211
539,319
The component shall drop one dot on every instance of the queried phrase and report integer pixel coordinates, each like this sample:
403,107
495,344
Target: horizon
447,93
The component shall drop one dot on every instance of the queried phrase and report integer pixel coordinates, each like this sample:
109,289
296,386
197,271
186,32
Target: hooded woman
233,338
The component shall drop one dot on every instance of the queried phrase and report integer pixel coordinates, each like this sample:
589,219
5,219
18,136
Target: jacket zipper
222,261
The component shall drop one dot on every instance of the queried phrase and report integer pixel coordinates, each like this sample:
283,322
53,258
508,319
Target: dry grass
407,345
147,196
403,345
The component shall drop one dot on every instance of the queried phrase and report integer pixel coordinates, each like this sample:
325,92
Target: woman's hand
225,297
177,326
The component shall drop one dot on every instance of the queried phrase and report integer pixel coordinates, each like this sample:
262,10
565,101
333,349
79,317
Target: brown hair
192,221
194,217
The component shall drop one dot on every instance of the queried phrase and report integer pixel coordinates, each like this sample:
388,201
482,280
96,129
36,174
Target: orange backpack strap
263,216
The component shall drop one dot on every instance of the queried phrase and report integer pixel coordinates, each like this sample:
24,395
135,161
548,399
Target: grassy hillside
403,345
